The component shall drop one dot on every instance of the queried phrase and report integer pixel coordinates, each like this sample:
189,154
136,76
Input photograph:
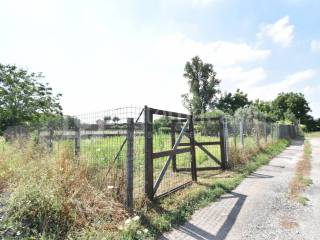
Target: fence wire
97,143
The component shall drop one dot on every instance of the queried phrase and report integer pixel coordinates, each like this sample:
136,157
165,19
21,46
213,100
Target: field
84,195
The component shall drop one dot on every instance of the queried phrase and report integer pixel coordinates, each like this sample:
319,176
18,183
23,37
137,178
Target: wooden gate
219,158
180,152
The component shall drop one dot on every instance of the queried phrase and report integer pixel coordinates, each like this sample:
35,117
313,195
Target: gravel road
259,207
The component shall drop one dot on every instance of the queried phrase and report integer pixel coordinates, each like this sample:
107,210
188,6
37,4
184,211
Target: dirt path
259,207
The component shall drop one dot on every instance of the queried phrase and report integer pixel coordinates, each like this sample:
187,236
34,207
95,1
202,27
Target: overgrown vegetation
301,180
50,196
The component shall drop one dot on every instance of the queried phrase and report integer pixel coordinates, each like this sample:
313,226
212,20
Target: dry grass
301,180
53,196
288,222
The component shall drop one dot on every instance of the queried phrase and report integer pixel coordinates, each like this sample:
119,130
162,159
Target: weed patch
301,180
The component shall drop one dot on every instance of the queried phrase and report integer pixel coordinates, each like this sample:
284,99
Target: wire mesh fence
98,144
95,142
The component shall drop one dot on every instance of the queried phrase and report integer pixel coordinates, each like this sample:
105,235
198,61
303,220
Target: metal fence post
192,150
173,141
77,139
148,148
130,148
271,131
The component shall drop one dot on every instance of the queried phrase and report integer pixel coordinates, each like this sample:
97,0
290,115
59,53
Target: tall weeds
53,196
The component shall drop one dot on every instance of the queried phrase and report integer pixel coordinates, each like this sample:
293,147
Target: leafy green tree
266,108
249,113
24,99
229,102
115,119
203,86
162,124
291,103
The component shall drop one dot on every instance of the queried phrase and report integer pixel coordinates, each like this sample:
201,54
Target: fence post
234,134
50,140
241,133
265,132
148,148
223,149
192,150
77,139
257,133
130,148
173,141
271,131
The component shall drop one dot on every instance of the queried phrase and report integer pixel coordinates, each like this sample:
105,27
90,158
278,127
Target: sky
102,54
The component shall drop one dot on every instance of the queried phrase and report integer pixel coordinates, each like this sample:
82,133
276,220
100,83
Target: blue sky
102,54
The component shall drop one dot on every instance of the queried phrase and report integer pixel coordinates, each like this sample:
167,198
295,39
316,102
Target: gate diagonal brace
206,151
164,169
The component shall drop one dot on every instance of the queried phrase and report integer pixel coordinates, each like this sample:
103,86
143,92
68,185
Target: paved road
259,207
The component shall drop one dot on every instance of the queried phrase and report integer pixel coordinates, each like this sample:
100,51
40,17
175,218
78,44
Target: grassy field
98,154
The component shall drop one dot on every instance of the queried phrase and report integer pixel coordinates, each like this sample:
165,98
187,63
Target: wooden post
234,134
173,141
50,140
192,150
241,133
222,143
148,148
130,149
265,132
77,140
257,133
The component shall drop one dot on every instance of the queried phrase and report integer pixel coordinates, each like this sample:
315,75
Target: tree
162,124
203,86
266,108
229,102
107,119
115,119
291,103
24,99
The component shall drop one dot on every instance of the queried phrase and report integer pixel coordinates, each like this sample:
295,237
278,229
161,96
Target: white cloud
237,77
281,32
311,93
293,82
177,48
299,77
315,45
